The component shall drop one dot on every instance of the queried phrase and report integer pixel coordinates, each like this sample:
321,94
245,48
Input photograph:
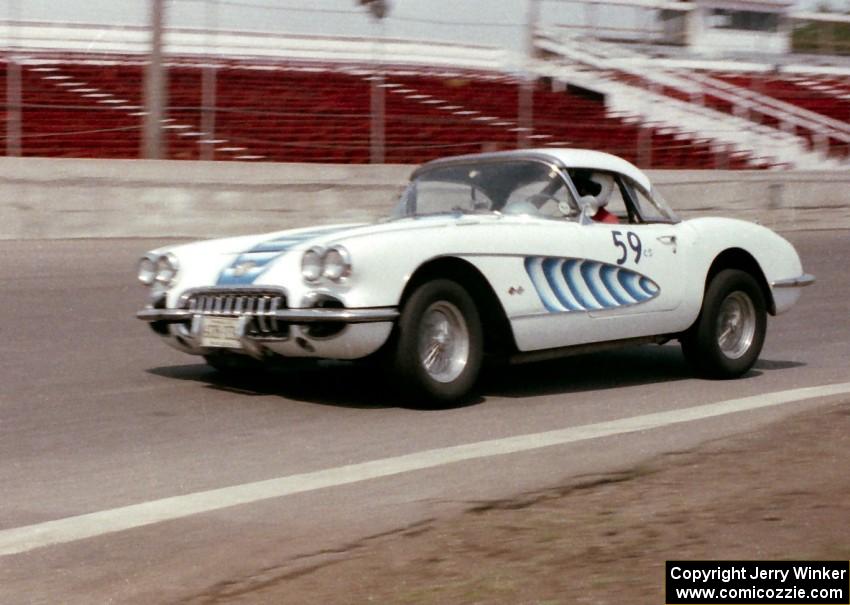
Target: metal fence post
154,145
208,85
378,106
13,103
525,105
14,92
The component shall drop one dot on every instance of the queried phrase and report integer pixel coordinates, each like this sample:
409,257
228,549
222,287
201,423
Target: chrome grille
257,303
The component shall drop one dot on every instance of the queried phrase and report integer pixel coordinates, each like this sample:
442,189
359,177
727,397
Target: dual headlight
333,264
160,269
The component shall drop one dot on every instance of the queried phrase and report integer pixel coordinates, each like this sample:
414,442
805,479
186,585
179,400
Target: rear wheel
439,348
728,335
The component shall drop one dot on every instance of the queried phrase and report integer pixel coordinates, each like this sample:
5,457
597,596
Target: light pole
155,91
14,94
208,84
378,107
525,108
377,101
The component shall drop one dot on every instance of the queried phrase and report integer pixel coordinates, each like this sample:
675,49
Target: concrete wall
784,201
47,199
44,198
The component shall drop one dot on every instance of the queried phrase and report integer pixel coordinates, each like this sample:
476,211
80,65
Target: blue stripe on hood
263,255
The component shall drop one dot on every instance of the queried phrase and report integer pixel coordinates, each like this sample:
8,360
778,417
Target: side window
617,203
607,188
650,211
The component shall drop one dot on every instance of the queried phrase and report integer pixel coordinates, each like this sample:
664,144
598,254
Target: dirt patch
781,492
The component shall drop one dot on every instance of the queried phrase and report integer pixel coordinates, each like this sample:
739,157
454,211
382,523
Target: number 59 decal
634,244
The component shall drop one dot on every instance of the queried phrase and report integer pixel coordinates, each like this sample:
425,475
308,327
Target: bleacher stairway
730,116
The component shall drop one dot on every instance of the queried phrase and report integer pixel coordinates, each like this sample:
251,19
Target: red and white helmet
606,188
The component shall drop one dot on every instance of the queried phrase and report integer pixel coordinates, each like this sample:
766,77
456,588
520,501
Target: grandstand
659,100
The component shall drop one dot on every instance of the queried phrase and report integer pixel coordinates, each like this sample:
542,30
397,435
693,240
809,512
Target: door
634,269
628,279
607,281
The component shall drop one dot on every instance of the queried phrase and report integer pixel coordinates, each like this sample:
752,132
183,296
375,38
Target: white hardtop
568,158
760,5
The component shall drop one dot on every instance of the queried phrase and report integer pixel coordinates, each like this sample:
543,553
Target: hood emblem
243,268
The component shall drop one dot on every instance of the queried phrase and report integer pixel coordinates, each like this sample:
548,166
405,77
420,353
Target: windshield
513,187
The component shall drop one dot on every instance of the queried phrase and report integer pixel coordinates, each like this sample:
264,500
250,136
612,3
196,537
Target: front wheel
728,335
439,348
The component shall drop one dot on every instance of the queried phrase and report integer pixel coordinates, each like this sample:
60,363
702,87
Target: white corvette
518,255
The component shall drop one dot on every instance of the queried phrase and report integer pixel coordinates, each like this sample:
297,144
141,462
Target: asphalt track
132,473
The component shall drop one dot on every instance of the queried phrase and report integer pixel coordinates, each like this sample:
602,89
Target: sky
488,22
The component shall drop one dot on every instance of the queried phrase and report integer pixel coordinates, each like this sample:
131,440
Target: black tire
439,345
727,337
233,364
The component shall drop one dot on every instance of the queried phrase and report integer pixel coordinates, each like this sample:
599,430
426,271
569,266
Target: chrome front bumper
363,331
295,316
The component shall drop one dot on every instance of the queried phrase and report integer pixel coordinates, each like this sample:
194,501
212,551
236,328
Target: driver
599,186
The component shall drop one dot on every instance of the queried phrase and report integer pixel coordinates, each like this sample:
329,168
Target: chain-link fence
252,80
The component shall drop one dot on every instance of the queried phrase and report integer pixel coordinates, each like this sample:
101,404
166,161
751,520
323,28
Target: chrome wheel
439,346
443,341
736,325
727,337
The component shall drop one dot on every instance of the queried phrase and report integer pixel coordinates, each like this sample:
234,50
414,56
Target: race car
516,256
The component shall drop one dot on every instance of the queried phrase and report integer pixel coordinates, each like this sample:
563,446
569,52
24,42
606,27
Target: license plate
220,332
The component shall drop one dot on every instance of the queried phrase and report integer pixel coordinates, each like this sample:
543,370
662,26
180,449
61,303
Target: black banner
757,582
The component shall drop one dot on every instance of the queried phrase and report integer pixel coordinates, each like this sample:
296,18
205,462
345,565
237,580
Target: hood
253,256
244,259
262,252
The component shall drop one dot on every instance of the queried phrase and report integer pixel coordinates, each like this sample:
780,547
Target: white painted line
24,539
